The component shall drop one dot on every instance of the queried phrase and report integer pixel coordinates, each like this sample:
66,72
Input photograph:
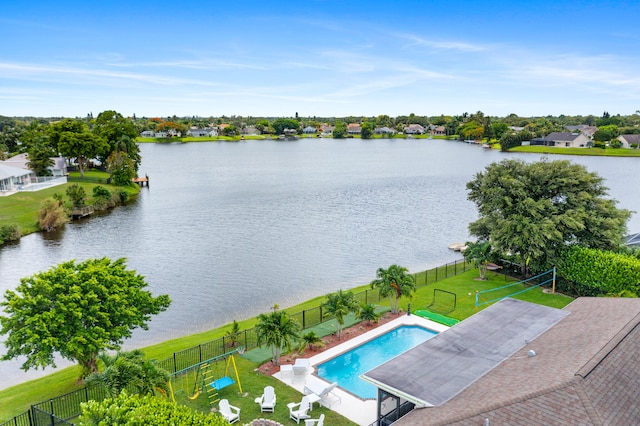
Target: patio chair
228,411
315,422
323,392
299,410
300,370
268,399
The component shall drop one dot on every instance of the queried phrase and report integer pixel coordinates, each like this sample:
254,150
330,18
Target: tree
479,254
530,211
40,159
340,130
367,312
285,123
76,309
338,305
310,339
277,330
121,168
394,282
367,130
233,333
131,371
135,410
74,140
77,195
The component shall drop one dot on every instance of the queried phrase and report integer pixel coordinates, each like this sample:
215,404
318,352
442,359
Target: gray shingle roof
586,371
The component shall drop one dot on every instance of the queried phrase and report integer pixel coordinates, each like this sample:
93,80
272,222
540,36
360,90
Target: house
326,130
59,167
627,140
199,133
309,130
148,134
414,129
440,131
383,131
354,129
13,178
563,139
518,364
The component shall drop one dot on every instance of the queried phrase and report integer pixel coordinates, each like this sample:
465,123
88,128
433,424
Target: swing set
206,378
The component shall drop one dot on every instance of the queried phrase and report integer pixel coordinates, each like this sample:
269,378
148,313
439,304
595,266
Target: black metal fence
62,408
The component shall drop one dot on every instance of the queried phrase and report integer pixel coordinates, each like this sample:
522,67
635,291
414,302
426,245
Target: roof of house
585,371
631,138
8,171
561,136
436,371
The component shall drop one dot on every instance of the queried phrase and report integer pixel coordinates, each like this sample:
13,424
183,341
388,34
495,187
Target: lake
230,229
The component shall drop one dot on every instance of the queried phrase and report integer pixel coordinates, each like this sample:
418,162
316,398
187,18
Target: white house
627,140
563,139
13,178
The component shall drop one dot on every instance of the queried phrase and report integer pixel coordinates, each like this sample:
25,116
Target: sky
319,58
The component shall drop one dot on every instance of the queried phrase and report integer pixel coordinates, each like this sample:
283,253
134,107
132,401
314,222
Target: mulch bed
328,342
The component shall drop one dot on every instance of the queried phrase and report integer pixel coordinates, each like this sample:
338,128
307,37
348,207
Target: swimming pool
347,368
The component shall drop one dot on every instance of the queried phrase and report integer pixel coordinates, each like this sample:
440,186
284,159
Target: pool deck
362,412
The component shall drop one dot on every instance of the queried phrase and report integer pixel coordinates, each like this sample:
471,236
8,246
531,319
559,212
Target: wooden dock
81,212
141,181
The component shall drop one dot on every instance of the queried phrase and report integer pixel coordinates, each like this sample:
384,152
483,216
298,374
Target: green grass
17,399
608,152
22,208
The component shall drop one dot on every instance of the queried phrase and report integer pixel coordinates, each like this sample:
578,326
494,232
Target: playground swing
207,380
224,381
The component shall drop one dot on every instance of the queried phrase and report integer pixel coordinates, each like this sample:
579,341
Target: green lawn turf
608,152
17,399
22,208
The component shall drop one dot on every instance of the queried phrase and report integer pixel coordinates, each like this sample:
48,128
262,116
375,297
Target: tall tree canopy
394,282
76,309
338,305
531,210
277,330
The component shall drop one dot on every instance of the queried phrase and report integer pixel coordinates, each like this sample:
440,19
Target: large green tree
277,329
285,123
531,210
72,139
338,305
76,309
394,282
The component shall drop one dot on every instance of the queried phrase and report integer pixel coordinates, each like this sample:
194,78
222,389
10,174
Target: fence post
175,366
304,322
200,353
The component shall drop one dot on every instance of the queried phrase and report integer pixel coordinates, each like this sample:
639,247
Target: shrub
8,233
51,215
77,195
615,144
102,198
121,196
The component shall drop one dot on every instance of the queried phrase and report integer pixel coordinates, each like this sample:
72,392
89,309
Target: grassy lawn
22,208
17,399
608,152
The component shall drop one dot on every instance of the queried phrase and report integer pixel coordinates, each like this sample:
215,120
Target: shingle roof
586,371
561,136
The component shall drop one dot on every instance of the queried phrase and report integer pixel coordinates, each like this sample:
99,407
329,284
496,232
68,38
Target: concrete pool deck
360,411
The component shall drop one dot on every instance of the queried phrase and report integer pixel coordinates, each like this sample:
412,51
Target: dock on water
141,181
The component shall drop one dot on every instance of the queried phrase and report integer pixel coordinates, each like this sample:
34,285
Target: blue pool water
347,368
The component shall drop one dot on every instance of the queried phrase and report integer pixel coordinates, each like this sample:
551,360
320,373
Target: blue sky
319,58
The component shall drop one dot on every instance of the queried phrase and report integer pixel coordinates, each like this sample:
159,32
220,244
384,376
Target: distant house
59,167
148,134
516,129
326,129
249,131
414,129
309,130
440,131
563,139
199,133
627,140
354,129
383,131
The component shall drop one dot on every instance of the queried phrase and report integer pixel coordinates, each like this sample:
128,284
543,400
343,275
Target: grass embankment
608,152
22,208
17,399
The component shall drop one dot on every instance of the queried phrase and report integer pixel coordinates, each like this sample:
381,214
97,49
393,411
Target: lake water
230,229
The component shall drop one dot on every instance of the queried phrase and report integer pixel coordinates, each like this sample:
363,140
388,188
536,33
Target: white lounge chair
299,410
315,422
323,392
228,411
300,370
268,399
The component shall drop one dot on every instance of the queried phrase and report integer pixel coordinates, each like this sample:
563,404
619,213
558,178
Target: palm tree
277,330
479,253
368,313
129,370
394,282
338,305
310,339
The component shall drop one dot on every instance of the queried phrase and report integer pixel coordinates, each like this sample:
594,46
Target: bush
102,198
9,233
77,195
600,145
121,196
615,144
52,215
